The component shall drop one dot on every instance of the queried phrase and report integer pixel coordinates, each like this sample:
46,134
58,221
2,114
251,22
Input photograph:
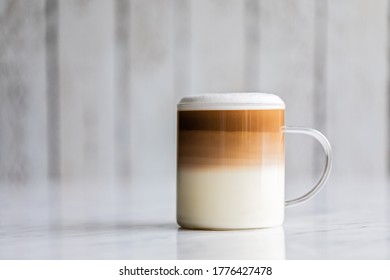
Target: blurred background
88,88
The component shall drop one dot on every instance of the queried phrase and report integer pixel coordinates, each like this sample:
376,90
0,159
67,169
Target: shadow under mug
230,161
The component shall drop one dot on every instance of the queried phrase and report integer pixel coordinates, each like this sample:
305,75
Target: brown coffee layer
232,120
230,138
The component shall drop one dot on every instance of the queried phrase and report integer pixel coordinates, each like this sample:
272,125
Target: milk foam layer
231,101
231,198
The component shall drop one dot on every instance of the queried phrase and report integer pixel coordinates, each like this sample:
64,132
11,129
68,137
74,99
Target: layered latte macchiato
230,161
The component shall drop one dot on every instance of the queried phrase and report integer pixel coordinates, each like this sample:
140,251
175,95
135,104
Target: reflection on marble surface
260,244
347,221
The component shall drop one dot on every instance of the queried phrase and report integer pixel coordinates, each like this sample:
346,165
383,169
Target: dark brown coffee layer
232,120
230,138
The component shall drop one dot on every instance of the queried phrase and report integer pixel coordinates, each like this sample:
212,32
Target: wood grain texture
23,123
86,57
286,69
252,45
122,91
152,108
88,88
320,58
357,71
320,78
217,55
53,97
182,48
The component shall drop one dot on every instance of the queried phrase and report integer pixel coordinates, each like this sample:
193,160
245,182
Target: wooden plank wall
88,88
23,122
152,103
217,56
287,30
357,83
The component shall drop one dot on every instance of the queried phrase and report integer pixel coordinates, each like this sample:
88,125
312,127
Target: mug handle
328,162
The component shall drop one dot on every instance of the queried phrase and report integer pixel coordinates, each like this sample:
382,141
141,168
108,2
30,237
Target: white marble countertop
346,221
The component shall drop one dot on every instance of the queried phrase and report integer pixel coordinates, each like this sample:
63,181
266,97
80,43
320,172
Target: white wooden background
88,88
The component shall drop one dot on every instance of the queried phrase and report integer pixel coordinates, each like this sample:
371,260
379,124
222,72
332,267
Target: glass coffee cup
230,161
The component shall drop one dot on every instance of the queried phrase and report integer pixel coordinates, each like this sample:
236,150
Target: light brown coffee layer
230,138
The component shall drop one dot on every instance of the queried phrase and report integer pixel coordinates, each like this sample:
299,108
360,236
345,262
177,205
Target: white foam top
231,101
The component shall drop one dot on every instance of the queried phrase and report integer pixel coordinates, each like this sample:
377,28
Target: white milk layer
230,198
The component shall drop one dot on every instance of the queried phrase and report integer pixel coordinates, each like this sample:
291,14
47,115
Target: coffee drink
230,161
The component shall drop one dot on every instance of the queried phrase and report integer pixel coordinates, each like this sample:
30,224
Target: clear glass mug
230,161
